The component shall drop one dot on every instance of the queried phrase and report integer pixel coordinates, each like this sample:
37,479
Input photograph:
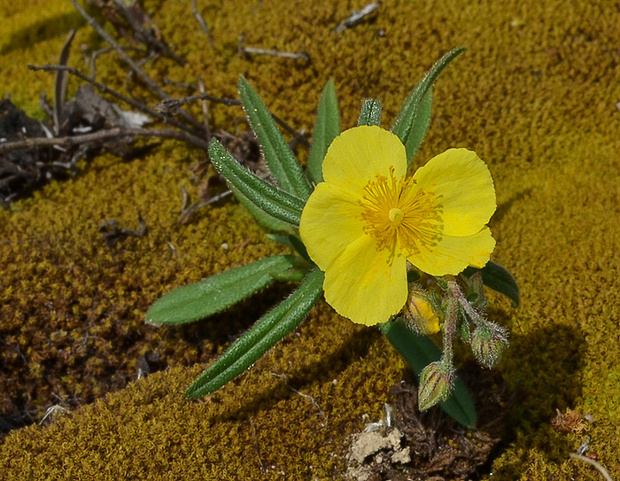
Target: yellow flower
366,220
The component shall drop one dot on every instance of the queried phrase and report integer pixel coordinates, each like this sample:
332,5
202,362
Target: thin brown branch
107,90
201,21
115,132
137,18
205,111
128,60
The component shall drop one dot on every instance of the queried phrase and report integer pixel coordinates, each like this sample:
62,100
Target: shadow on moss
550,360
41,31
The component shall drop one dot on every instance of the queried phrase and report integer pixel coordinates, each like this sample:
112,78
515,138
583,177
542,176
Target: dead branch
357,16
132,65
115,132
594,463
201,21
243,50
138,20
107,90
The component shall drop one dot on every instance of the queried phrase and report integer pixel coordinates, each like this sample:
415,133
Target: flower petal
329,222
359,154
451,255
361,285
465,189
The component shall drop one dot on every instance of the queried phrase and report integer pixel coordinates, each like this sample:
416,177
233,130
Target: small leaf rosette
367,220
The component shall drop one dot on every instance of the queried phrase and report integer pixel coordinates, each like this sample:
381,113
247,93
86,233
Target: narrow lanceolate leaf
280,159
371,113
420,125
268,330
326,129
419,351
266,221
413,119
202,299
498,279
274,202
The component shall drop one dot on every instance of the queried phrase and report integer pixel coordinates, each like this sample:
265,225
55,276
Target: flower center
399,215
396,216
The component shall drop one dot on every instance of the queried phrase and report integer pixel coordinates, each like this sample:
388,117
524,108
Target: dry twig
113,133
129,61
357,16
243,50
201,21
594,463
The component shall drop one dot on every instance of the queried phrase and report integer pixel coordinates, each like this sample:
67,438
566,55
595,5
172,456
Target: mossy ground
535,95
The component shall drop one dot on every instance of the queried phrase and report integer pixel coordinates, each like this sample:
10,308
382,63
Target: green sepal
419,351
498,279
274,202
326,129
280,159
216,293
413,119
442,283
268,330
371,113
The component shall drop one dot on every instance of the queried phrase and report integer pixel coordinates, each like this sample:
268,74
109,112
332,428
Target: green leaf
371,113
420,125
202,299
498,279
413,119
419,351
268,330
274,202
280,159
326,129
266,221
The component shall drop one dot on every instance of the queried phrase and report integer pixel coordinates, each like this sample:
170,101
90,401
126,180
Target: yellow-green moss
534,95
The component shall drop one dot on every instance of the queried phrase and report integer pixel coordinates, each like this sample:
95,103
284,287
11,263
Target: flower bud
487,343
420,313
436,383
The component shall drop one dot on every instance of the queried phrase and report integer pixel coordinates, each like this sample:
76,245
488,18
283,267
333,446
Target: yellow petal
465,189
359,154
362,286
329,222
452,255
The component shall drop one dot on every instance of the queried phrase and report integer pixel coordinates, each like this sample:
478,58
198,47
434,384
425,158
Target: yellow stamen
400,215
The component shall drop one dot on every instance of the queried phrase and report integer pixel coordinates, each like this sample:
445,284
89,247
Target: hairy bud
487,343
436,382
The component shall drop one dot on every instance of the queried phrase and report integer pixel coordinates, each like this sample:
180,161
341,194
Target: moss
534,95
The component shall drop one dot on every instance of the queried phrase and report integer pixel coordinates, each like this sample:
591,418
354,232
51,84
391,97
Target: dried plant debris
32,152
132,23
19,167
39,160
211,187
570,421
409,445
357,16
113,233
